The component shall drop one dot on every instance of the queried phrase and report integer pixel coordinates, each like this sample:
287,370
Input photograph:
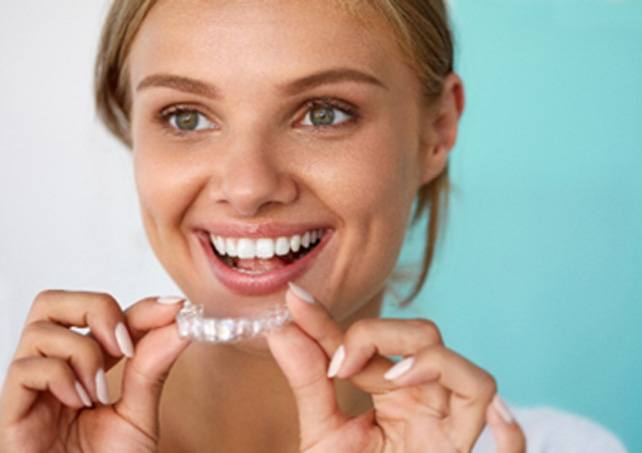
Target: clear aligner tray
191,323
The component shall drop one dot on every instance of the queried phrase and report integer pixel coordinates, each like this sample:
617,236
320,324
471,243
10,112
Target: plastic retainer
191,323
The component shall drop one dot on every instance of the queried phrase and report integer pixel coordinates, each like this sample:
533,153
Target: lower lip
258,284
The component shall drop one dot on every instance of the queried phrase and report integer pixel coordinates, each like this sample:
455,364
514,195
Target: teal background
539,276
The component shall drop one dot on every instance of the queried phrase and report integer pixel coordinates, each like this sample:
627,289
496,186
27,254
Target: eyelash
167,113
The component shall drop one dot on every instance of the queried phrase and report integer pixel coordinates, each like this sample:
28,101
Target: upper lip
261,230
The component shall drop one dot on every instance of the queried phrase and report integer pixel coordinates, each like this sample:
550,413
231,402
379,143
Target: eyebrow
335,75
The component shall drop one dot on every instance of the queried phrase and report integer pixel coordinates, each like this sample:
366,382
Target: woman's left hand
438,401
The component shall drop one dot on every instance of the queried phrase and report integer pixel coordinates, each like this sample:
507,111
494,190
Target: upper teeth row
264,247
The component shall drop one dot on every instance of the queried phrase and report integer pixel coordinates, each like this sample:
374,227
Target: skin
256,161
257,165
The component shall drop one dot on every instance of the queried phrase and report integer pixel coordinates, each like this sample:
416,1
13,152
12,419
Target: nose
251,179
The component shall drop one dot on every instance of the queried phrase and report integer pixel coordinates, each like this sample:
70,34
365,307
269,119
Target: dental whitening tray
191,323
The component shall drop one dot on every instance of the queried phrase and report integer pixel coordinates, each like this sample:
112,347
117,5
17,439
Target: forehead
260,39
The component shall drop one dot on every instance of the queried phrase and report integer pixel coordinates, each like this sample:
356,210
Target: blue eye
187,120
322,114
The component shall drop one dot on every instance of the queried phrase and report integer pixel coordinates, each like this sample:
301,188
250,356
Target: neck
227,396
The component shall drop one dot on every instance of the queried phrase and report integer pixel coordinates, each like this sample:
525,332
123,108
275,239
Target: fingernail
124,340
169,300
502,408
301,293
82,393
102,392
337,360
399,368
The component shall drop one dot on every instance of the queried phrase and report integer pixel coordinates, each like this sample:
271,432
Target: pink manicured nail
124,340
337,360
301,293
502,409
102,392
169,300
399,368
82,393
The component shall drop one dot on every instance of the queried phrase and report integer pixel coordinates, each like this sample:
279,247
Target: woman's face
226,141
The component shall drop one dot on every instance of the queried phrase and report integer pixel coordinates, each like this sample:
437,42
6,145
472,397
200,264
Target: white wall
68,207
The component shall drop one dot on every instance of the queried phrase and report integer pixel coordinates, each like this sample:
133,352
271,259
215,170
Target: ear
441,122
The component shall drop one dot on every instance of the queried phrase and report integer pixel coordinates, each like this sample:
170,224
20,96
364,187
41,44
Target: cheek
375,180
165,186
370,188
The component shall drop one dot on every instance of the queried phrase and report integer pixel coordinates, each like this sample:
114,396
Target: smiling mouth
258,256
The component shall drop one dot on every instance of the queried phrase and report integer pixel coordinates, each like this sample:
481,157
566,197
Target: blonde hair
421,29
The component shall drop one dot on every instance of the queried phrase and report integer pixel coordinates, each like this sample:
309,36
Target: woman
262,120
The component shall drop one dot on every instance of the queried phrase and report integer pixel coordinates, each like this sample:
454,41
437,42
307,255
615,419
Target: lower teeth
258,266
248,271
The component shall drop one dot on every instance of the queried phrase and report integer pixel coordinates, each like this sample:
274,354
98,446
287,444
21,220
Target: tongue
260,265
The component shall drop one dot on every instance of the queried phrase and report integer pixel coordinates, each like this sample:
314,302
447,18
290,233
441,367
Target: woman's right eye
186,120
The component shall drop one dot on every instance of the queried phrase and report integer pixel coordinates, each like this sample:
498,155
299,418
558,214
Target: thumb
508,435
304,364
144,375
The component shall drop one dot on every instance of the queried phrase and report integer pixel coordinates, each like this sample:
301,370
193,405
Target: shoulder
553,430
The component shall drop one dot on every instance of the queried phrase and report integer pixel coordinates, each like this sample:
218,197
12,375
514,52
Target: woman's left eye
187,120
322,114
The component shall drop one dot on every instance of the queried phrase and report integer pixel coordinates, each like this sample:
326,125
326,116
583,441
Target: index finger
471,387
315,320
152,313
98,311
147,314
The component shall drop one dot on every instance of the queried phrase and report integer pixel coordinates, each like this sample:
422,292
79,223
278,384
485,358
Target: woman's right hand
55,368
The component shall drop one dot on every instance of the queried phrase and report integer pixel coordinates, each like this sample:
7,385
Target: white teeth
282,246
264,248
219,244
230,246
246,248
295,242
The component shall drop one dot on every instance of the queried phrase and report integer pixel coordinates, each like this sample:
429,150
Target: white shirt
550,430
